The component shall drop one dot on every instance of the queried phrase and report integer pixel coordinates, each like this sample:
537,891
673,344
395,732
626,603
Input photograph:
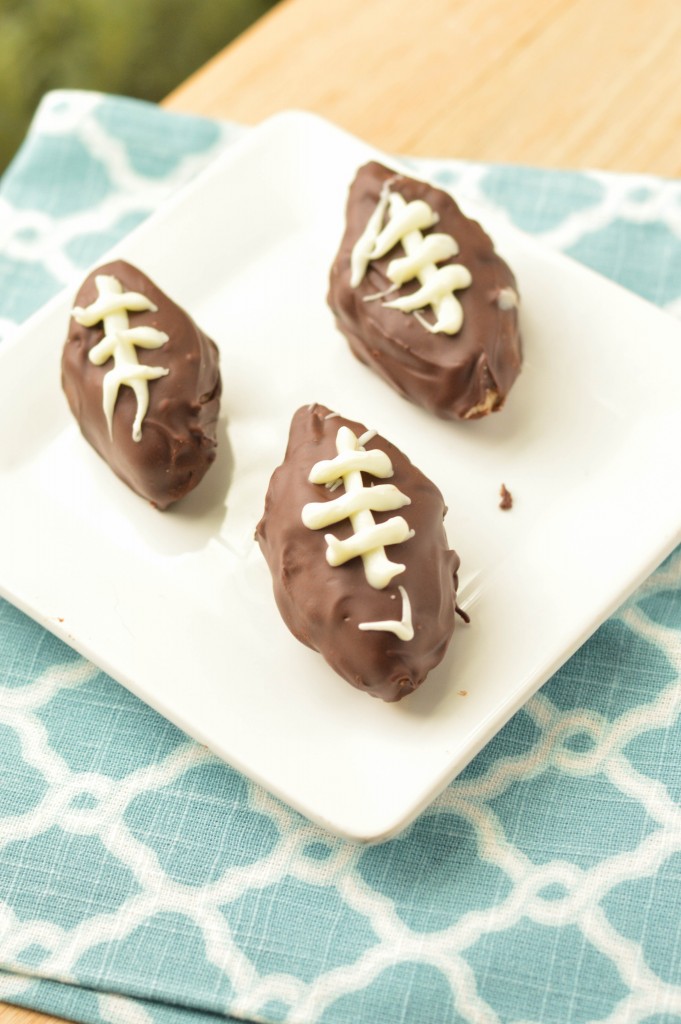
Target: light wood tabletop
560,83
556,83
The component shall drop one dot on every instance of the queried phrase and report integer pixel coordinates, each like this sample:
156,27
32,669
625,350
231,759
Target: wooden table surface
553,83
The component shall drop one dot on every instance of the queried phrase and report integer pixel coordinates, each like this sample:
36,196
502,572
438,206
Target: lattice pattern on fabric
144,882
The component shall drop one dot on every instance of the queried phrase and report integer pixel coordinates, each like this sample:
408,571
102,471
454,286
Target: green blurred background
141,48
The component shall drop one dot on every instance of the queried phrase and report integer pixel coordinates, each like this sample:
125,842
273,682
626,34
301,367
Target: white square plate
178,606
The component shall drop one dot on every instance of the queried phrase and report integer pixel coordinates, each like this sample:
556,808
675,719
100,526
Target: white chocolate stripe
113,302
406,218
369,542
362,249
142,337
402,628
434,248
368,539
447,308
438,284
381,498
436,292
328,470
111,307
135,376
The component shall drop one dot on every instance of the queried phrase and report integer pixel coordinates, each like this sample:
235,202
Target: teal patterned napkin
142,881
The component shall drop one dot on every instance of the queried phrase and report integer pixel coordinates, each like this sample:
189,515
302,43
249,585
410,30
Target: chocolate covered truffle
423,298
143,382
354,537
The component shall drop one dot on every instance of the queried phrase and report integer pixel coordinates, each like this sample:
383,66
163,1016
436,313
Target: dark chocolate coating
460,376
321,604
178,442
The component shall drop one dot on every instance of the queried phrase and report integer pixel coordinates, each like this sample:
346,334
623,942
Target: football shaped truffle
354,538
423,298
143,382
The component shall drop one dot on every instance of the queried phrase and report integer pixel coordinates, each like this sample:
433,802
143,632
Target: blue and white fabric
142,881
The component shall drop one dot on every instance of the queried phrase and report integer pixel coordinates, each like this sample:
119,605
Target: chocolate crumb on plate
506,498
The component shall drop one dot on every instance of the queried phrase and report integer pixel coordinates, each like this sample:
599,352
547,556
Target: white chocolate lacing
120,341
368,539
402,628
422,254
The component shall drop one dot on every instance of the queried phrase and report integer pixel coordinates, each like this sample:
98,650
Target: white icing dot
507,298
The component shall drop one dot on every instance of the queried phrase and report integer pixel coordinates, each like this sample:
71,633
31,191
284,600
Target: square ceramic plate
178,606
